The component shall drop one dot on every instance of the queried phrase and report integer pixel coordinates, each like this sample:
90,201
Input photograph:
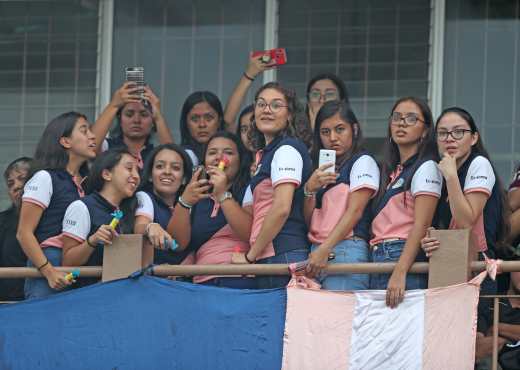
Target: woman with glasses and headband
201,118
408,194
323,88
473,197
279,232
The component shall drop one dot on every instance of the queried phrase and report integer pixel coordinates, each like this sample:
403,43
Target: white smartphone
327,156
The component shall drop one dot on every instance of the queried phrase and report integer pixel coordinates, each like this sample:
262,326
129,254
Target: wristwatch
223,197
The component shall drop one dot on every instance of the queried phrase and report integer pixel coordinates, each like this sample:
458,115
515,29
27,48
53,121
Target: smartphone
279,55
203,175
327,156
136,75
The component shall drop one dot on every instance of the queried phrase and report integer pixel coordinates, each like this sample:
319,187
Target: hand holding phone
327,156
273,57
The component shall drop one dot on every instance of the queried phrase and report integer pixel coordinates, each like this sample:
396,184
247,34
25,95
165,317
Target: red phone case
279,55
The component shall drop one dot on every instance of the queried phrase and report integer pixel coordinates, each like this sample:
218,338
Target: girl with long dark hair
201,118
137,119
113,180
335,201
166,173
473,197
279,233
408,194
473,188
216,224
60,162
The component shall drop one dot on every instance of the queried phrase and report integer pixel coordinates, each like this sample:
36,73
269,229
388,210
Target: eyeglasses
315,95
409,119
456,134
208,117
274,106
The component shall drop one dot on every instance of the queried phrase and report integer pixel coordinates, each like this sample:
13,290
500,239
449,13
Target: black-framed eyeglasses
456,134
274,106
409,119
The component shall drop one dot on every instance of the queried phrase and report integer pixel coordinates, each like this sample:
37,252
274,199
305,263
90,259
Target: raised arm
467,205
239,218
163,131
254,68
179,226
125,94
319,179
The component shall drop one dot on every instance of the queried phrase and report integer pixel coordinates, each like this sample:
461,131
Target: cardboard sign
123,257
450,264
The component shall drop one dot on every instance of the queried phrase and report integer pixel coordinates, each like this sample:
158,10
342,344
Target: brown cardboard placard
450,264
123,257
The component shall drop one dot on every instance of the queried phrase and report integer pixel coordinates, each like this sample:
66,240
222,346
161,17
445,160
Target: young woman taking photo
335,201
137,119
215,224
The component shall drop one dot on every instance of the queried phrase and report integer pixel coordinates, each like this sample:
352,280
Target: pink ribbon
299,280
492,266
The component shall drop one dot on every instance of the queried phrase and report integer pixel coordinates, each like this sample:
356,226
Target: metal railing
280,269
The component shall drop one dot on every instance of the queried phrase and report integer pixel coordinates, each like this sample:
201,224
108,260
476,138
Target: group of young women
253,192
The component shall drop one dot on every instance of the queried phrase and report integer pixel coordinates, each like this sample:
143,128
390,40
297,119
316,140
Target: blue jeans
390,252
231,282
39,287
347,251
268,282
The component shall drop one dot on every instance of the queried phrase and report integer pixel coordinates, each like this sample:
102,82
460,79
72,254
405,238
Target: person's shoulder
480,160
294,142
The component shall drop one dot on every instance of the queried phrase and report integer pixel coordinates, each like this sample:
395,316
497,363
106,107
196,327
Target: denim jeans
390,252
232,282
39,287
268,282
347,251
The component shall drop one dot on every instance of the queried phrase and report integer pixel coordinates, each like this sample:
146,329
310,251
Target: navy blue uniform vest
293,234
64,192
362,229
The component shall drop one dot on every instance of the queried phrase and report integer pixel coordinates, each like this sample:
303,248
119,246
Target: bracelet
90,245
248,260
248,77
184,204
308,194
147,230
42,266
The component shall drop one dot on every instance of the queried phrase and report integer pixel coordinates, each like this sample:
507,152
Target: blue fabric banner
145,323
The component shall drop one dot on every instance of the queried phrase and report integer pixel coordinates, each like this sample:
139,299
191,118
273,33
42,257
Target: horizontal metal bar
256,269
